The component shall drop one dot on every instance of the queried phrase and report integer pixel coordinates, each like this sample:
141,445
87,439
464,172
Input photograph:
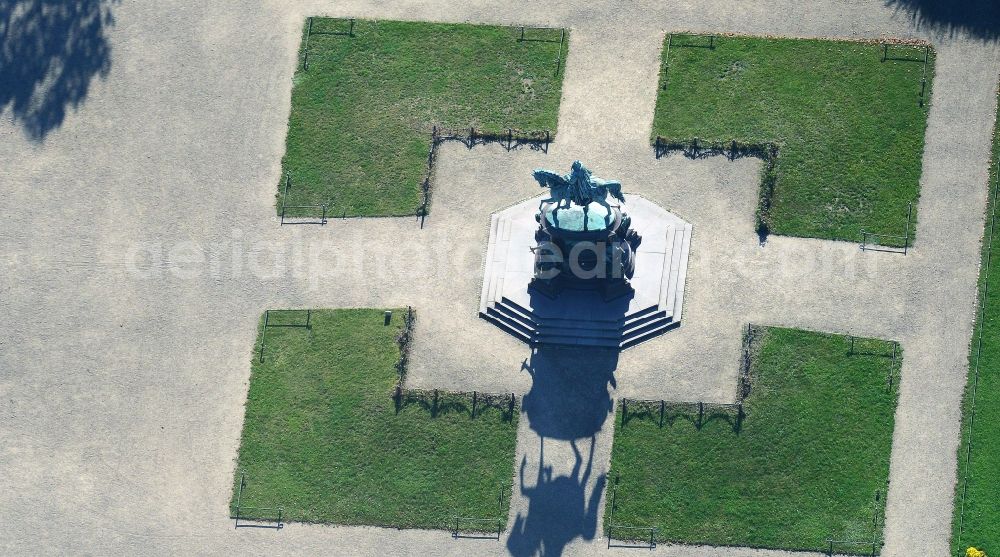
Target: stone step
516,333
642,327
489,271
502,245
669,285
557,340
650,322
507,301
649,334
644,315
682,273
623,322
502,312
665,273
514,307
614,334
577,319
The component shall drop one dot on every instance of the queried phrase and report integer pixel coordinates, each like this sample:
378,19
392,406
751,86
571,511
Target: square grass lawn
805,464
849,126
977,514
322,437
361,118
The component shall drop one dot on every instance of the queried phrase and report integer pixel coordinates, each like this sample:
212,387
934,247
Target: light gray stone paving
139,247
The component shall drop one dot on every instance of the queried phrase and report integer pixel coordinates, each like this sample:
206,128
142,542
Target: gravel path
128,322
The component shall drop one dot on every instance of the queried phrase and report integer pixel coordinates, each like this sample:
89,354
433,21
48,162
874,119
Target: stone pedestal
588,247
583,317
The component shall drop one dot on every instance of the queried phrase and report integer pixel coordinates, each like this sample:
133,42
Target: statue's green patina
582,241
579,186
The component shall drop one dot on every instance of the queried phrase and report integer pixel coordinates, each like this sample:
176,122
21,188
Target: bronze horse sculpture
579,186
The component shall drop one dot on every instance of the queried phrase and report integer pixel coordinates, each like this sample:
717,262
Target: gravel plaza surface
140,247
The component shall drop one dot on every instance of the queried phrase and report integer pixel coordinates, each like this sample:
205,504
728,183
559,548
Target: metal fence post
562,37
906,237
263,335
666,60
892,368
611,519
239,496
305,50
284,197
923,75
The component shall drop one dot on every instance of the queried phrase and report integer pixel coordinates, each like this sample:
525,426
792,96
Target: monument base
540,315
609,290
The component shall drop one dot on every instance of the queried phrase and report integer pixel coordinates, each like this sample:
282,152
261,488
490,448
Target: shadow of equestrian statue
558,509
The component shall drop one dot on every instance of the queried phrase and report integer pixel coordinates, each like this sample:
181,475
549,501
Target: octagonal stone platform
582,317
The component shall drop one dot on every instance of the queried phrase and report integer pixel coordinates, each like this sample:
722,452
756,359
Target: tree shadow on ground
558,509
978,18
569,400
50,50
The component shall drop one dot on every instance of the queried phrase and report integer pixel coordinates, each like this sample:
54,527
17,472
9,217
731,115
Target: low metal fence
254,516
476,527
648,539
666,412
853,547
978,336
870,546
767,152
476,531
699,413
308,219
512,139
438,401
310,31
874,241
286,209
537,39
923,55
267,323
